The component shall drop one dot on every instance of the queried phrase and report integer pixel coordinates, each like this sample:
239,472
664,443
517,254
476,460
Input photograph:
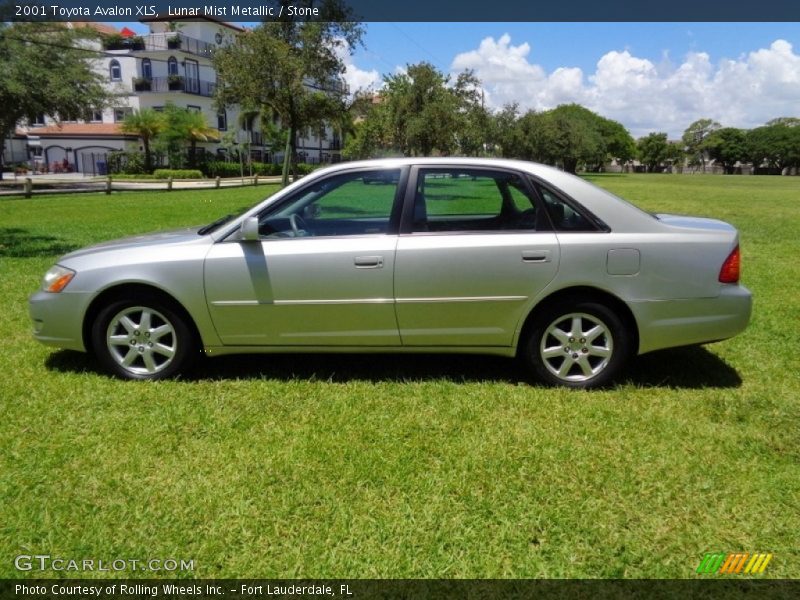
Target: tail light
729,273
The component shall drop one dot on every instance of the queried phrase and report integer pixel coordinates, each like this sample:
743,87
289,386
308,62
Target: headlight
57,278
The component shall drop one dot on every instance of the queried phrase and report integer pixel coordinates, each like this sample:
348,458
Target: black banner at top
406,10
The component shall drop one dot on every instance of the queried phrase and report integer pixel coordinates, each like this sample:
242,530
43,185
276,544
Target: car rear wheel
577,345
144,338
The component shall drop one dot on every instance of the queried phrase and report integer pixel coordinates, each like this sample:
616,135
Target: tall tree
46,70
788,121
291,67
505,136
653,150
776,146
146,124
421,112
472,124
575,136
726,146
619,145
693,139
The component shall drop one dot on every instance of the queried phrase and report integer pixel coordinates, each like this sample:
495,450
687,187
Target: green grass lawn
396,466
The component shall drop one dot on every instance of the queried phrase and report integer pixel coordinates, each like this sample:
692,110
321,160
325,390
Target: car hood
166,238
695,222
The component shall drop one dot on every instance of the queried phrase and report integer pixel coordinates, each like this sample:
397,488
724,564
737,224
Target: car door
475,248
321,273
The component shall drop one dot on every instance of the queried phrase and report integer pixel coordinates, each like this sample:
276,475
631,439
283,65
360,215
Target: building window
172,66
158,108
147,69
222,120
94,116
193,108
121,113
38,119
115,70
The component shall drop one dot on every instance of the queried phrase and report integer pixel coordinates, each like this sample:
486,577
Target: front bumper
672,323
58,318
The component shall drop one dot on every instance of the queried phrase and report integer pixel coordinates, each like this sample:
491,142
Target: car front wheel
577,345
143,338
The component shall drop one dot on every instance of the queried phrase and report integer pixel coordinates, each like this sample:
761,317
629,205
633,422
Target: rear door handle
536,256
368,262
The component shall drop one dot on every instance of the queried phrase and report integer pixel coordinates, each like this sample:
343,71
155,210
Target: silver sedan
407,255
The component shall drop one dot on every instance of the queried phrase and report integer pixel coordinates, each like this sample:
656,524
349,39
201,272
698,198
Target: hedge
231,169
177,174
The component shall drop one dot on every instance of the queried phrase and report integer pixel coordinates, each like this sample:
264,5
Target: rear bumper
671,323
58,318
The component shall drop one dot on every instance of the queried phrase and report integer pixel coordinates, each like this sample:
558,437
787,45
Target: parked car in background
407,255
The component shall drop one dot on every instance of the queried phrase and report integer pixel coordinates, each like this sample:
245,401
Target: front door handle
536,256
368,262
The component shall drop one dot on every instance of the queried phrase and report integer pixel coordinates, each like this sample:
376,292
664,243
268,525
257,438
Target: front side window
172,66
115,71
453,200
358,203
147,69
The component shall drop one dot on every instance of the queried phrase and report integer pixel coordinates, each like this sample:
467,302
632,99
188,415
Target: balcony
175,83
170,40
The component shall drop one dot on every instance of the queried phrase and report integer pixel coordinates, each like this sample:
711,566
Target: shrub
177,174
131,163
218,168
304,168
126,176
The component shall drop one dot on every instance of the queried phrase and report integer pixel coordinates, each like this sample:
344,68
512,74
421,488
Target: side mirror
249,230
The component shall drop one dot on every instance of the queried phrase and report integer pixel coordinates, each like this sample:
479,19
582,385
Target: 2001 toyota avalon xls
408,255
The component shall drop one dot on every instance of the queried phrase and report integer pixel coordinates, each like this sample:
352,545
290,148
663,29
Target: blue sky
649,76
556,45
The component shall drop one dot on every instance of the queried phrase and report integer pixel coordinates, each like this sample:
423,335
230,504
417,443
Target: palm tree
146,124
184,125
197,129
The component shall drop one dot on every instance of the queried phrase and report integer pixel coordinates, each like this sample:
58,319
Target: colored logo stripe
711,562
734,563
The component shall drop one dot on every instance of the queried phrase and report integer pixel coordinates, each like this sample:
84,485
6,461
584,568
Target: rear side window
564,216
469,200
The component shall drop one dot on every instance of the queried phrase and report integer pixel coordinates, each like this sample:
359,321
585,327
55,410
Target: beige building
170,64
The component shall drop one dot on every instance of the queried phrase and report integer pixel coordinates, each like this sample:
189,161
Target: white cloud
742,92
357,79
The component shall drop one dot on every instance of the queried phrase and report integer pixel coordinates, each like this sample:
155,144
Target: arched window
172,66
115,70
147,69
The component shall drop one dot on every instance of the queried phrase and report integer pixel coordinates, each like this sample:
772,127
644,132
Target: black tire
558,355
164,349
